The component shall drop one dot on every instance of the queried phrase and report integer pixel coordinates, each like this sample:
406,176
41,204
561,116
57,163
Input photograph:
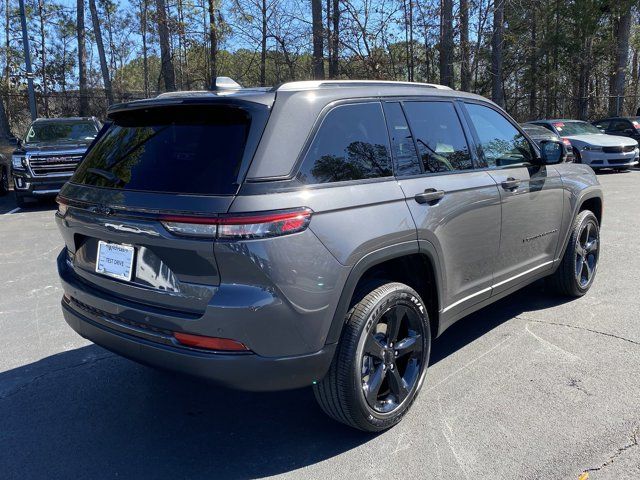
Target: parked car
316,234
49,154
620,126
539,134
592,147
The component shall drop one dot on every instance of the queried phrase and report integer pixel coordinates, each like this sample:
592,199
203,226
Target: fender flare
372,259
586,194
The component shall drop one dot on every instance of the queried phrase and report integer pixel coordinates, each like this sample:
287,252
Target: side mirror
552,152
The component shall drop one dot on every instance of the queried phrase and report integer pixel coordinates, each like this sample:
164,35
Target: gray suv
318,233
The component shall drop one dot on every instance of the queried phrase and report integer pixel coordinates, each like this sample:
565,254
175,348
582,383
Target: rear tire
381,360
579,265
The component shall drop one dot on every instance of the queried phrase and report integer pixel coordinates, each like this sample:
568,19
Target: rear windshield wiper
111,177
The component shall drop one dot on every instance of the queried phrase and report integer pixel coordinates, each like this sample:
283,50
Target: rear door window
191,150
352,143
441,142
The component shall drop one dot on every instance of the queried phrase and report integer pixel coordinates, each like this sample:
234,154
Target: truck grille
54,164
625,149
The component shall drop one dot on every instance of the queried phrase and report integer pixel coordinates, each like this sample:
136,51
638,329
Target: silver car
593,147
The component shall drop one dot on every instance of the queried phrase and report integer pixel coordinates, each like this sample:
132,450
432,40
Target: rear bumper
243,371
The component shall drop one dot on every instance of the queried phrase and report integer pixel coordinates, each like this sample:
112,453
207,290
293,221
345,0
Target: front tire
381,360
579,265
4,181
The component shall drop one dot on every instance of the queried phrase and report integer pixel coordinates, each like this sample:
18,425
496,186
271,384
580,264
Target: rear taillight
62,206
238,227
567,142
210,343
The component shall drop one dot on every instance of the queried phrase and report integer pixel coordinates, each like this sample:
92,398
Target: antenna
224,83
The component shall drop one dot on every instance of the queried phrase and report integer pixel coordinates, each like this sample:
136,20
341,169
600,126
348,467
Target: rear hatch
157,163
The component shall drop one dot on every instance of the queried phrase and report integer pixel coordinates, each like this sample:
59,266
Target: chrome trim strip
45,192
499,284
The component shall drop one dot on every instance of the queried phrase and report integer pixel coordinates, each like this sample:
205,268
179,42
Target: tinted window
405,157
602,125
439,136
501,144
619,125
177,150
351,144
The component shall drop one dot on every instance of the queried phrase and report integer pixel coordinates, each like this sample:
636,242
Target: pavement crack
577,327
37,378
633,442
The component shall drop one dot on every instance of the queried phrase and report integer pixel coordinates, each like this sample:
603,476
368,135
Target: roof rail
313,84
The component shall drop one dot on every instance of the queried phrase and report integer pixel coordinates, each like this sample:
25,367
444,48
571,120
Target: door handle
430,196
511,183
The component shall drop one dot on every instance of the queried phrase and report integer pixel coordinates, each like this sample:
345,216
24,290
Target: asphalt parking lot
532,387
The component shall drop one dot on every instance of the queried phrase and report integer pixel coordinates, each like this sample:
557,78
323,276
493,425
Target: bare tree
213,39
106,79
43,56
333,38
446,43
318,49
465,60
168,74
82,59
497,92
144,14
622,30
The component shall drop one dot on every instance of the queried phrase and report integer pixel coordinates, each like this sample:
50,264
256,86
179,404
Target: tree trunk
465,64
83,109
168,73
263,44
446,43
334,67
103,59
43,58
144,7
497,93
533,67
213,40
622,32
318,49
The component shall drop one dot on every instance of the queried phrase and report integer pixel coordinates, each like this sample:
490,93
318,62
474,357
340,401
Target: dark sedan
620,126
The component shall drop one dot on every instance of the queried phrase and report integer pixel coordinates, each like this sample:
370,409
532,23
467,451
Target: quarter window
501,144
405,157
351,144
439,136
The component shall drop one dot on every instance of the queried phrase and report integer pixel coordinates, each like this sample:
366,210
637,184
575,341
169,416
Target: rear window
191,150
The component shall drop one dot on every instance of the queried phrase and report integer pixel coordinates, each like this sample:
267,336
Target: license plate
115,260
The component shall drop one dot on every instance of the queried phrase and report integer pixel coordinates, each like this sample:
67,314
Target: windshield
575,128
170,150
60,131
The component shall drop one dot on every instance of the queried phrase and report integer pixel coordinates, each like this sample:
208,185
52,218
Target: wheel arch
413,263
591,199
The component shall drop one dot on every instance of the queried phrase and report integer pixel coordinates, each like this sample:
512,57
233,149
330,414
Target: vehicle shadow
87,413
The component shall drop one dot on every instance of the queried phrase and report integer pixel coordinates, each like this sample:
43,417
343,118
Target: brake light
210,343
566,141
636,125
244,226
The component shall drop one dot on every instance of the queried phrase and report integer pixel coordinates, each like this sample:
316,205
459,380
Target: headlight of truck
18,161
592,148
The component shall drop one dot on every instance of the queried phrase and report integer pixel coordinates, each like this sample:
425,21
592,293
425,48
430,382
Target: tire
21,200
4,181
365,359
579,265
576,156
